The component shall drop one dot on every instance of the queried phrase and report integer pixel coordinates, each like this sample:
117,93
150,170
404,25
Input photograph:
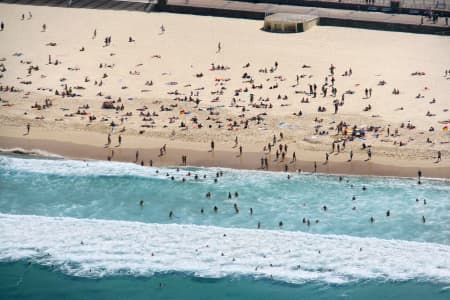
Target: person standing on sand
219,47
315,167
351,155
240,150
109,139
369,153
120,139
212,146
2,26
439,156
28,128
95,34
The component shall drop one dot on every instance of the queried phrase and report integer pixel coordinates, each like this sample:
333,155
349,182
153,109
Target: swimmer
236,195
259,225
215,180
372,220
280,223
423,219
171,214
229,195
201,210
236,208
141,203
353,198
215,209
325,208
251,211
388,213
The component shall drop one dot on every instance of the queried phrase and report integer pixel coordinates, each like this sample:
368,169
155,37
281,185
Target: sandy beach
184,81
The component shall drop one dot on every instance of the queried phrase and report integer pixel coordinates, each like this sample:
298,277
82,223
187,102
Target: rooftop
289,17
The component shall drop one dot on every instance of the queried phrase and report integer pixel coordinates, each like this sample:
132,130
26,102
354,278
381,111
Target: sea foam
97,248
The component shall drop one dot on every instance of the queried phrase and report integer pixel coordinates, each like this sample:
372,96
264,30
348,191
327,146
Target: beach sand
188,45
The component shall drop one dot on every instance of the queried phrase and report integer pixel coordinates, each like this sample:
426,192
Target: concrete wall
136,6
384,26
310,23
348,6
214,12
94,4
323,20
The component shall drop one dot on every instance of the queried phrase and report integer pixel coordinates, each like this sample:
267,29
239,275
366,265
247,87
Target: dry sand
188,47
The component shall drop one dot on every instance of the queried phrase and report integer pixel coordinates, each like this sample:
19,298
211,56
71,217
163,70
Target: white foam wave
96,248
68,167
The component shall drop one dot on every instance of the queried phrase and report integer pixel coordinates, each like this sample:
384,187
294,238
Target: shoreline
225,159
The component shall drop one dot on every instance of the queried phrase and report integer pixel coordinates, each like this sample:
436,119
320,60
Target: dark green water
22,281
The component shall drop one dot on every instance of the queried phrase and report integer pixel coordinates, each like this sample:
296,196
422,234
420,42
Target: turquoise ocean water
75,230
